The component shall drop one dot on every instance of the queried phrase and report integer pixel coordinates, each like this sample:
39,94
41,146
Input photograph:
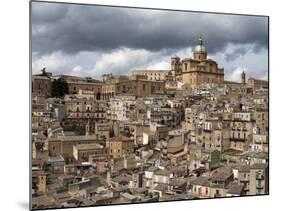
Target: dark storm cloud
235,54
75,28
46,13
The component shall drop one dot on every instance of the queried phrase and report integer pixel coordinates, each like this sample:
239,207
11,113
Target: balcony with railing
259,186
260,177
246,188
244,179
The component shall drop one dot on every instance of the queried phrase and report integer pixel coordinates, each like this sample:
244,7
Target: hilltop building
197,70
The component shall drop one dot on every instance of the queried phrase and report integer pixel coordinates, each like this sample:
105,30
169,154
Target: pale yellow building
197,70
257,84
120,146
152,75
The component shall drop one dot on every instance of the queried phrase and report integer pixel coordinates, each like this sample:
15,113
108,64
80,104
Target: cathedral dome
200,48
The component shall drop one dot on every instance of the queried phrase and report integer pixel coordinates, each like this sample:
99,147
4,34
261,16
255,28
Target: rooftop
202,181
73,138
88,146
221,175
235,189
252,154
259,166
178,182
121,138
163,172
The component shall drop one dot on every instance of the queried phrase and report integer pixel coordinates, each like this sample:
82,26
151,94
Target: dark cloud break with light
90,40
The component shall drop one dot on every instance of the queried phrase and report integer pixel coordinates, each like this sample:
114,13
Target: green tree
59,88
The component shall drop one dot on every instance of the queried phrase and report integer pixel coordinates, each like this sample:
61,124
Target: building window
185,66
143,86
217,193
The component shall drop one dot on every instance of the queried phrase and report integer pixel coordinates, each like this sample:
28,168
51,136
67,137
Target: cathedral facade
197,70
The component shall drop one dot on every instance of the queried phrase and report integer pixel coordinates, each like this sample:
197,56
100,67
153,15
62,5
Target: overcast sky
93,40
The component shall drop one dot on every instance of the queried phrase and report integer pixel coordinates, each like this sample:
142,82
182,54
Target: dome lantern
200,52
200,48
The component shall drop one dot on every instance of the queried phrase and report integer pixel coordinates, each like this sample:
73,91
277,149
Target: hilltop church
197,70
193,71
